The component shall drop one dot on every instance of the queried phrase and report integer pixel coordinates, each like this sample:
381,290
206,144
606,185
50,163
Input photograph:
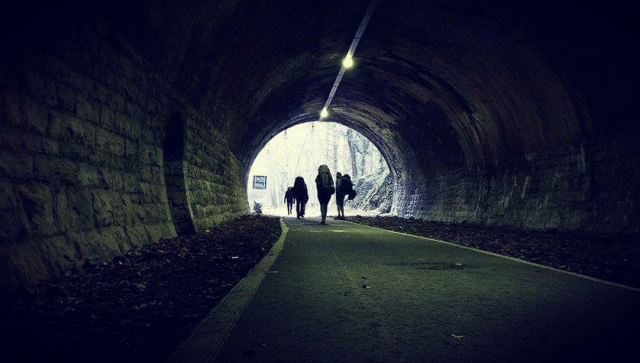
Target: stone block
151,155
12,225
58,125
56,169
42,88
132,150
131,91
89,245
15,166
161,213
111,179
7,197
117,102
118,147
108,142
66,217
134,128
58,254
137,234
148,135
67,127
73,151
153,107
140,214
88,175
102,94
157,173
36,203
130,182
107,118
127,67
127,214
13,108
80,201
66,97
120,217
145,174
121,122
115,241
21,264
102,209
133,112
75,79
157,231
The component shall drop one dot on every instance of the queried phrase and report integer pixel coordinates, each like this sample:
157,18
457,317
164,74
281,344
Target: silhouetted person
339,196
289,198
346,189
324,184
301,194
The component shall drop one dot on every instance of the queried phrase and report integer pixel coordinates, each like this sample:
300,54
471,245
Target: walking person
339,196
324,185
289,198
301,194
346,189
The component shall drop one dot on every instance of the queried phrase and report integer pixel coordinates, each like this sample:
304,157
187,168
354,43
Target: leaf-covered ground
137,307
610,258
140,306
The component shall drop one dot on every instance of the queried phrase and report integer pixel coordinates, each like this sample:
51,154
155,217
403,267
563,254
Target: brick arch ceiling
438,85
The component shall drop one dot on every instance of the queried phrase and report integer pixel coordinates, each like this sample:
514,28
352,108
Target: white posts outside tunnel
299,150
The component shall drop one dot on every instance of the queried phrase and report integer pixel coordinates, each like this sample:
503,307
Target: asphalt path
351,293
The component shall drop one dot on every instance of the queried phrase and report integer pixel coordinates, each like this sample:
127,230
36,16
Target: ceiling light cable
352,49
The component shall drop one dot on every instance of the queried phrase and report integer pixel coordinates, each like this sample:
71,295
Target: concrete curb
208,336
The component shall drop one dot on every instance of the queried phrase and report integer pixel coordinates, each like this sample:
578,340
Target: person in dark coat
301,194
289,198
339,196
324,185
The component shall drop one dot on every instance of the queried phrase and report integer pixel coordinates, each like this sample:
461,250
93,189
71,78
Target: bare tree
299,151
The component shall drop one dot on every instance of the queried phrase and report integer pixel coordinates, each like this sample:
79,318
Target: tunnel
125,122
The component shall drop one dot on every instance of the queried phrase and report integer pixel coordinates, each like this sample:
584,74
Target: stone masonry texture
125,122
81,167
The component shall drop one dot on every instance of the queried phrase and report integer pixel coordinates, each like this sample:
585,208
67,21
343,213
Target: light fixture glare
347,62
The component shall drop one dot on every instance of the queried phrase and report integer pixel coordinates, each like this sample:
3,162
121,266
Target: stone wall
590,187
82,120
214,178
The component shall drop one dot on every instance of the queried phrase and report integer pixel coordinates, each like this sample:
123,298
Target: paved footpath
351,293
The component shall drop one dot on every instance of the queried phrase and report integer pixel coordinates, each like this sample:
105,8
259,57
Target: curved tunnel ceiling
447,88
438,84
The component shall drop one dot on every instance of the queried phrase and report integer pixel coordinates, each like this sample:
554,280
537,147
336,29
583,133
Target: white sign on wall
259,182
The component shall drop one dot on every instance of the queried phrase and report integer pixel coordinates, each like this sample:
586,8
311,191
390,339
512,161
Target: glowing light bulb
324,113
347,62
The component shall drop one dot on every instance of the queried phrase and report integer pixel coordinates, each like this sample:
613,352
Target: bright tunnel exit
300,150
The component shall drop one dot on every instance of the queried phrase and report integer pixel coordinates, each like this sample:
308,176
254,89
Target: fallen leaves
140,305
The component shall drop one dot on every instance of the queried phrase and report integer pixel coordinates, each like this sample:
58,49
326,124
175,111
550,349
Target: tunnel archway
174,175
491,113
465,117
299,150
